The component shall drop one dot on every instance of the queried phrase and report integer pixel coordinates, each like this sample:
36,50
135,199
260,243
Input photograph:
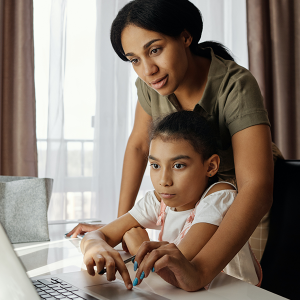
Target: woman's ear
187,38
213,165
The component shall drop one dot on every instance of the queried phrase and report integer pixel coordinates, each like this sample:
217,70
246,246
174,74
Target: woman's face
159,60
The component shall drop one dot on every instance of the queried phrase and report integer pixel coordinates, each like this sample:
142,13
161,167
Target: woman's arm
135,160
254,173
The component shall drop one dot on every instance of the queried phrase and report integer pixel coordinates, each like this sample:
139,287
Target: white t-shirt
211,209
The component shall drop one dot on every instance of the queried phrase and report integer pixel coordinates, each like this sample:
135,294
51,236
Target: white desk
62,255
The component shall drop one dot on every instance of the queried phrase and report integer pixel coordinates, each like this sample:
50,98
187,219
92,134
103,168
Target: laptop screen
15,284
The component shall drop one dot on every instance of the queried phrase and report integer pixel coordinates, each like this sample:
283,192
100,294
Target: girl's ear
213,165
187,38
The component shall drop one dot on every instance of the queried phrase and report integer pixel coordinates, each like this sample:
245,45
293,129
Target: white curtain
109,82
55,160
225,21
113,110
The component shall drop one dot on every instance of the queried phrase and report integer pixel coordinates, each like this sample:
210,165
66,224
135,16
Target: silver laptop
15,284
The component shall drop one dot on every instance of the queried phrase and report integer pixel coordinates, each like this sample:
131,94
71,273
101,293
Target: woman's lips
159,84
167,196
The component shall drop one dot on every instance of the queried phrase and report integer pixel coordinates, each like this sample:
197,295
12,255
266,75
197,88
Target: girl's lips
167,196
161,83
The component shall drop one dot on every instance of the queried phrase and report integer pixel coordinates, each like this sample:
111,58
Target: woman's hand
134,238
169,263
98,253
82,228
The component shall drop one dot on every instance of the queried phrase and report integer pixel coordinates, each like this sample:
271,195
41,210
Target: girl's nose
149,68
165,179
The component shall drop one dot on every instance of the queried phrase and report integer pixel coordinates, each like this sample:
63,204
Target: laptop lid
14,283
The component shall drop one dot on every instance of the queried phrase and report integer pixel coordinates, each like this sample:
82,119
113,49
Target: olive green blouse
231,102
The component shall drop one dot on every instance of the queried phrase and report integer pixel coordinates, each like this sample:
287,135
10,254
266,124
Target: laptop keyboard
55,288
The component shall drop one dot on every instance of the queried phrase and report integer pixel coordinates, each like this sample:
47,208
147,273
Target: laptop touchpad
117,291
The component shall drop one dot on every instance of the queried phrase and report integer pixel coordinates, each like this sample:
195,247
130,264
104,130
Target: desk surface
62,255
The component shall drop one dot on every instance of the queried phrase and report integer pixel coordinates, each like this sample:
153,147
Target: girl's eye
155,50
154,166
134,61
178,166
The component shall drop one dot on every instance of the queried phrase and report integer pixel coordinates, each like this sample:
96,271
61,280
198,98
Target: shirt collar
216,73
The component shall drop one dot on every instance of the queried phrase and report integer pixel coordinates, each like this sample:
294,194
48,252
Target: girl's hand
169,263
134,238
100,254
82,228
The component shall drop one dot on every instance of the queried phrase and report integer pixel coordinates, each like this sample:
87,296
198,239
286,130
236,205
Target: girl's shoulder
219,186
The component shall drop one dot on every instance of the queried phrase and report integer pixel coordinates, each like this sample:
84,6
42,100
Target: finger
141,274
124,273
169,256
147,247
90,266
77,231
150,262
71,232
100,262
110,268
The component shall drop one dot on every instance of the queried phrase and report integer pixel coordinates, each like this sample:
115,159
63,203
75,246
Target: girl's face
159,60
178,173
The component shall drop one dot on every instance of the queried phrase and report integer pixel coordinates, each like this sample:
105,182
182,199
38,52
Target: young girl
185,205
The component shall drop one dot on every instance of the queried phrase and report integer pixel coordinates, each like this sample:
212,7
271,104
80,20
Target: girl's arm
97,248
135,160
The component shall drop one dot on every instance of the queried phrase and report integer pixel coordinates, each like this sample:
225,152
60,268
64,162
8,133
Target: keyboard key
67,293
65,285
73,297
46,297
54,294
33,281
45,281
72,289
59,297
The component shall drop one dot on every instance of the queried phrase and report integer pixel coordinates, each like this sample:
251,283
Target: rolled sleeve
244,106
143,96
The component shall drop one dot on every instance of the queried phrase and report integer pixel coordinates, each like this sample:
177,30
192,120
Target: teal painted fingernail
142,275
132,260
135,266
135,282
153,270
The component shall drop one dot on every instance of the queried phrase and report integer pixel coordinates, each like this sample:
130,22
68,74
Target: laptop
15,284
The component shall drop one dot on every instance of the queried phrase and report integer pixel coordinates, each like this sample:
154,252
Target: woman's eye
154,166
178,166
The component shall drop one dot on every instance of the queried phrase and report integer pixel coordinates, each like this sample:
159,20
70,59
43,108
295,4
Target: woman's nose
166,179
150,68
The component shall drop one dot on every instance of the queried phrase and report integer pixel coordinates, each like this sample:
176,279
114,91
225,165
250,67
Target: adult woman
160,39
